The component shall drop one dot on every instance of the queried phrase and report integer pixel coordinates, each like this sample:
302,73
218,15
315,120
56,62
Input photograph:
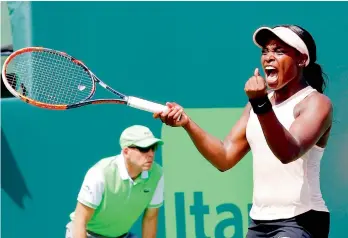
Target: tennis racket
51,79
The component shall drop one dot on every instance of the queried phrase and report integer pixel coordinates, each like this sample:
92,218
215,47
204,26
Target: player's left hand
256,86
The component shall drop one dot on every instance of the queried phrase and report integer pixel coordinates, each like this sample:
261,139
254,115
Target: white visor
285,34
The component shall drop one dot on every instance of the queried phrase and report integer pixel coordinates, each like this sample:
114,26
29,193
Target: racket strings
49,77
61,69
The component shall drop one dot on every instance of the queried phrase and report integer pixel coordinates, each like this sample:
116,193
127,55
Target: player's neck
133,172
288,90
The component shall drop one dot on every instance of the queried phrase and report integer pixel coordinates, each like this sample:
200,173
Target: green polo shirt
117,199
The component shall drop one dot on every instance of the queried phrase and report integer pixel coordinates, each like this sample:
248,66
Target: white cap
285,34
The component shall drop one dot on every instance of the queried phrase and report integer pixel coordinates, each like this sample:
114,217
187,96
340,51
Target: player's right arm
222,154
83,214
89,199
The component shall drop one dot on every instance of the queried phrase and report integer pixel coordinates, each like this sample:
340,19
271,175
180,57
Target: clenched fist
174,117
256,86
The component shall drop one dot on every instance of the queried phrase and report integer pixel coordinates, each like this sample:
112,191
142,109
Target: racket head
47,78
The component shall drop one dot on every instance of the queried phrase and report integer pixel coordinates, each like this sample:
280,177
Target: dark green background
196,53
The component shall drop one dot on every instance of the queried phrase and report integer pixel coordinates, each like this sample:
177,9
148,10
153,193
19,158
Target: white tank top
283,190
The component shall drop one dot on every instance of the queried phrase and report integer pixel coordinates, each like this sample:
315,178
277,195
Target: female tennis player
286,129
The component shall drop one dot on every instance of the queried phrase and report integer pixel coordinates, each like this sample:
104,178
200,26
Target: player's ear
302,60
125,150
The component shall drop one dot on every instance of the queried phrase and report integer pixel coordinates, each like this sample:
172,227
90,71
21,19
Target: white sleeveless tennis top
283,190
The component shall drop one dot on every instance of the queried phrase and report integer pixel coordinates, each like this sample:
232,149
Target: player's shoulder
105,162
317,100
95,173
320,98
100,166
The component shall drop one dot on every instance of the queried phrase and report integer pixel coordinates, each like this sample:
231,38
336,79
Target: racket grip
145,105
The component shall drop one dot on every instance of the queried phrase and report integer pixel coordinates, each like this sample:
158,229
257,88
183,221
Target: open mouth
271,74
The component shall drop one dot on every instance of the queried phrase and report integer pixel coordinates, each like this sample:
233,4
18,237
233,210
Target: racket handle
145,105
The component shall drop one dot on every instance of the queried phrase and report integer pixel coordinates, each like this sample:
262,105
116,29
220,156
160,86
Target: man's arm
89,199
83,214
150,217
149,224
